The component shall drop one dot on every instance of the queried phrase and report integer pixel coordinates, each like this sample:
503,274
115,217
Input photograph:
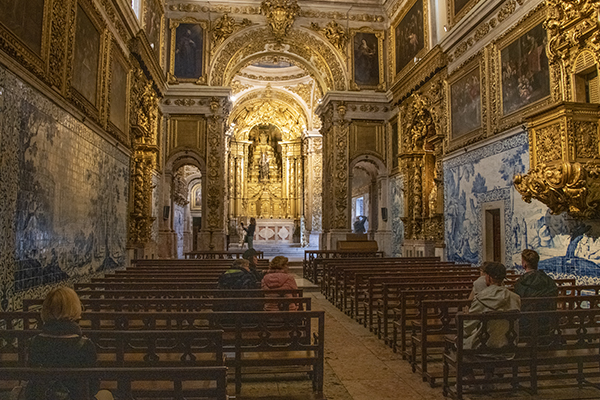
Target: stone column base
167,244
384,242
329,239
212,241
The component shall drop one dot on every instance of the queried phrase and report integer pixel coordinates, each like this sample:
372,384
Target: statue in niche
264,162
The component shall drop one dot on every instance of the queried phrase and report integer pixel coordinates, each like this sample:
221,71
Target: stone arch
302,45
178,159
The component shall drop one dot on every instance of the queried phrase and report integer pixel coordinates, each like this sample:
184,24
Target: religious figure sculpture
264,164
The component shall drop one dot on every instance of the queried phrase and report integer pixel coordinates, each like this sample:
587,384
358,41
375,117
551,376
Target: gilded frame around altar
413,21
527,87
88,40
21,45
466,90
198,30
117,93
371,40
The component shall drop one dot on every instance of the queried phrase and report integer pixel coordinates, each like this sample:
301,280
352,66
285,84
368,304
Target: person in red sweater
278,277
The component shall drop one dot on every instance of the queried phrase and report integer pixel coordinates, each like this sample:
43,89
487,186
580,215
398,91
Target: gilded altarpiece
563,137
421,143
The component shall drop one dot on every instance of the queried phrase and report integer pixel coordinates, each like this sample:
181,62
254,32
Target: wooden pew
256,338
437,320
137,383
191,263
310,269
572,348
183,305
212,255
85,293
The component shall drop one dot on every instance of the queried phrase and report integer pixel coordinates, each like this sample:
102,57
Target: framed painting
153,24
118,108
409,36
26,23
367,59
188,51
465,103
525,73
458,9
197,197
87,55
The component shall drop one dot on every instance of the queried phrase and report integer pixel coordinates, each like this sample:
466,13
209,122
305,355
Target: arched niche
301,45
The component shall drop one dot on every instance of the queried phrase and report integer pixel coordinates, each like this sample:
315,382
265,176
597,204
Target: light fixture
445,28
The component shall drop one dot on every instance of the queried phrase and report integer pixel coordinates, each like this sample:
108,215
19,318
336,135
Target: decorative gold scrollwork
281,15
563,187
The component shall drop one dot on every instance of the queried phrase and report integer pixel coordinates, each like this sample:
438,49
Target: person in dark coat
250,232
535,283
359,224
62,345
252,256
238,276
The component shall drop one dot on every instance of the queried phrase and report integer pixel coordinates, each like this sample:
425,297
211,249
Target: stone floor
358,366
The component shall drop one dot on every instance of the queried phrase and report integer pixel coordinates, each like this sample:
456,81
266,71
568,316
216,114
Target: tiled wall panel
63,195
484,176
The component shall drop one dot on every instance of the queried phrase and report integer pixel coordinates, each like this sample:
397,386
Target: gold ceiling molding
306,48
281,15
507,9
334,32
341,16
238,87
274,58
279,95
565,159
434,61
304,90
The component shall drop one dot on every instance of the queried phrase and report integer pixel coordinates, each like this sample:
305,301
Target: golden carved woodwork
305,47
335,34
224,27
281,15
140,218
565,159
421,152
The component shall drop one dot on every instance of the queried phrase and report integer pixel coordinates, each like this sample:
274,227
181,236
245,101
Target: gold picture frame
401,62
196,197
90,99
11,43
153,23
503,91
179,72
467,102
454,16
367,54
116,59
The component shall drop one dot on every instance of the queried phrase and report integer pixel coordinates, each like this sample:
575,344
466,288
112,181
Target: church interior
466,130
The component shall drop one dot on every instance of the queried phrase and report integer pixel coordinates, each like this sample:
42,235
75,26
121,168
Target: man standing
535,283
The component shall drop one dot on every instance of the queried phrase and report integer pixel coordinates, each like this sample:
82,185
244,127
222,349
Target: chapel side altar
274,231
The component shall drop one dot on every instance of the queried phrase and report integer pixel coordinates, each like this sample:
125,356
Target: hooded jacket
238,279
536,284
492,298
278,281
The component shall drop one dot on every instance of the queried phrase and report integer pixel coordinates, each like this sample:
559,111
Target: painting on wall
118,94
484,176
153,24
465,103
26,23
409,36
197,197
367,58
525,73
87,57
187,51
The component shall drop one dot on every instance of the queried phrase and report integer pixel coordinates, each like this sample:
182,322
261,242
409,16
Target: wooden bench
180,383
571,348
310,269
85,293
255,338
211,255
191,263
181,305
437,320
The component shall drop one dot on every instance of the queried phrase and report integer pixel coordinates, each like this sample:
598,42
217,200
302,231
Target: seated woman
278,277
61,344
